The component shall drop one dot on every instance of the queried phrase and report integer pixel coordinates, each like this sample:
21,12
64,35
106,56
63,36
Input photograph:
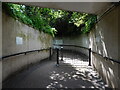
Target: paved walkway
71,73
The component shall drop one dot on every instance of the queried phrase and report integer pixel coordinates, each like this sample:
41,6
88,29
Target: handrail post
61,53
57,56
89,56
50,53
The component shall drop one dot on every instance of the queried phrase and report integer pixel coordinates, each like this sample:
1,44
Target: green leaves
33,16
48,20
89,24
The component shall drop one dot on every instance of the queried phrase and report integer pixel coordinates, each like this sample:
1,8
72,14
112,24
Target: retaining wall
103,39
18,37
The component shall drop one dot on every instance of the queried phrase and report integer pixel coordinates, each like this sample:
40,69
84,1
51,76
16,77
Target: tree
50,20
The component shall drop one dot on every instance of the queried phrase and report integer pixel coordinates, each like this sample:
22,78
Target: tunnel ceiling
85,7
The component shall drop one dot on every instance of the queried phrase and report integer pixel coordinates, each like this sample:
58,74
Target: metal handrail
72,45
16,54
117,61
89,49
92,52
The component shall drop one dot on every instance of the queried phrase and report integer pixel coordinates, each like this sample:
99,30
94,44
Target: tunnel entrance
67,67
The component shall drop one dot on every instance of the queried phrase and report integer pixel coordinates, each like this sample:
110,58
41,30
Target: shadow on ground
47,75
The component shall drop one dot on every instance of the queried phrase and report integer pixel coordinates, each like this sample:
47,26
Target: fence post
61,53
89,56
50,53
57,56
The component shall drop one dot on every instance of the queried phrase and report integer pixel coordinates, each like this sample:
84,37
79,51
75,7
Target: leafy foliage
51,21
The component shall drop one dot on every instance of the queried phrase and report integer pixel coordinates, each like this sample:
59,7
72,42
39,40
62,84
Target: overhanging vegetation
51,21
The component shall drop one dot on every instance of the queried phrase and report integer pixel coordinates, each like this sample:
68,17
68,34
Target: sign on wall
19,40
58,42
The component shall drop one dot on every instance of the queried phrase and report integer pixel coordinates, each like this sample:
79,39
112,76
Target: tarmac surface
72,72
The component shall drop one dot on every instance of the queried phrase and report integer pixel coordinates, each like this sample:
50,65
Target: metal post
61,53
89,56
50,53
57,56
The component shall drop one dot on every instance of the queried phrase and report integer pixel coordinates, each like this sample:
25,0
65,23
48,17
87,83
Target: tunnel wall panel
0,45
18,37
104,40
80,40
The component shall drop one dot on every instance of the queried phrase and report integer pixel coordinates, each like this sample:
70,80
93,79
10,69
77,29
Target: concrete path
71,73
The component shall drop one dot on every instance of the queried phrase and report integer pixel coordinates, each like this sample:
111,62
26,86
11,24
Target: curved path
47,75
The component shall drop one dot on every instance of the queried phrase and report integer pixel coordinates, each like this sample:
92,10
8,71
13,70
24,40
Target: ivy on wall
51,21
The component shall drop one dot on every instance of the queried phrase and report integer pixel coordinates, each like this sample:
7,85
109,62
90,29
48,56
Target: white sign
19,40
58,42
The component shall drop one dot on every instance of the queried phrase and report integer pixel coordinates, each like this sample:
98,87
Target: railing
107,58
75,46
90,51
26,52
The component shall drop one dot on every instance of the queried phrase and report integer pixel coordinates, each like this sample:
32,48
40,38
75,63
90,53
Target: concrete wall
82,40
0,45
104,40
118,46
32,40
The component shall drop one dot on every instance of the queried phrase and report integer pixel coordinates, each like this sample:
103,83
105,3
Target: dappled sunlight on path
80,76
72,72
